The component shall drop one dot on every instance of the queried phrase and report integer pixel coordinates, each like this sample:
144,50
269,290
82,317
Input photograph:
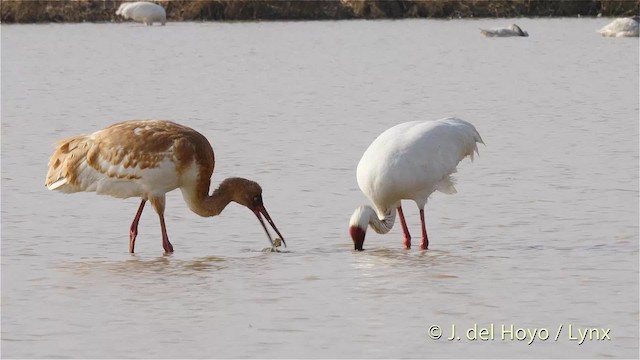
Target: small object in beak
277,242
260,211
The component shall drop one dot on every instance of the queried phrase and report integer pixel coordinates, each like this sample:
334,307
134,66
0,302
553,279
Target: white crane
513,30
142,11
409,161
622,27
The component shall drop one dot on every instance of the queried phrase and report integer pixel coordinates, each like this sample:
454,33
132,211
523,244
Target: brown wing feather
66,158
135,143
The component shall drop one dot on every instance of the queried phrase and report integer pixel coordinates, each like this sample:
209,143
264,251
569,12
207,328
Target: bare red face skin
357,235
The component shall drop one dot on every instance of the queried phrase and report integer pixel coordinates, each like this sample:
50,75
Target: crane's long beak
260,210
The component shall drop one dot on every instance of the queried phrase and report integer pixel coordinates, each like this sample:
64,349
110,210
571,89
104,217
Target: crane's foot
407,243
168,248
424,245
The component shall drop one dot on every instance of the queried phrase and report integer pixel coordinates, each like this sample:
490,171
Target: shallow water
542,233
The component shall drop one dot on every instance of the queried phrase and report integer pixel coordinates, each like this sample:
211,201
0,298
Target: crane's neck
203,204
365,216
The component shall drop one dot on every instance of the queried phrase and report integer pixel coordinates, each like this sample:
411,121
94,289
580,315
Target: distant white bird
141,11
513,30
147,159
409,161
622,27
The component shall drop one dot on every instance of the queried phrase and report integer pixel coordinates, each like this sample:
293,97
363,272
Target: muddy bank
30,11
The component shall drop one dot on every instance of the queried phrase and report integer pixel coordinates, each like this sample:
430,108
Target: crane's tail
477,139
65,161
486,33
467,137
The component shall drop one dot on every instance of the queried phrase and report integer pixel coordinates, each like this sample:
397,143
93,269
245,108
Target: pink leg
133,231
405,229
168,248
425,240
158,204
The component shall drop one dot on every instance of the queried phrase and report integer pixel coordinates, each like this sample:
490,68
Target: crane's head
518,30
357,235
249,193
358,227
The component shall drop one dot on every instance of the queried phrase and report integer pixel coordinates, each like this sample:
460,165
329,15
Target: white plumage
623,27
142,11
409,161
513,30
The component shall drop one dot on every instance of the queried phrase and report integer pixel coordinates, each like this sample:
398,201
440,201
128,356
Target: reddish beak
261,211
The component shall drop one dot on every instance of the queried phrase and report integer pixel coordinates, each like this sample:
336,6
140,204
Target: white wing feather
414,159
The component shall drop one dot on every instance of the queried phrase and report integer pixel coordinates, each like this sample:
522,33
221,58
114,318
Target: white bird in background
513,30
622,27
142,11
409,161
147,159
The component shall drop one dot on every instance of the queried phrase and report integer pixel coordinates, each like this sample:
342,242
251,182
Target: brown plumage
147,159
